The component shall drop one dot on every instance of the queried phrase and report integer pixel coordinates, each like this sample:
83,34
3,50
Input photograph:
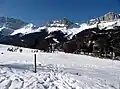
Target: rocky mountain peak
59,23
110,16
11,23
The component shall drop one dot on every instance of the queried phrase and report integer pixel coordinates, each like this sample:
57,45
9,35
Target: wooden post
35,63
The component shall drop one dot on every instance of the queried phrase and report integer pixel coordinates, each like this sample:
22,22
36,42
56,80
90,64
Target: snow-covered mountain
108,21
111,16
8,25
29,28
64,34
64,26
98,37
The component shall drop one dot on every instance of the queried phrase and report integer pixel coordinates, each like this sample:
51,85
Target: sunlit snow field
56,71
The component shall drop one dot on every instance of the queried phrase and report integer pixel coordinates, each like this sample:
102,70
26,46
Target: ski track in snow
56,71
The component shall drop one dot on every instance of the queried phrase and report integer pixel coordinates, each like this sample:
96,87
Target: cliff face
111,16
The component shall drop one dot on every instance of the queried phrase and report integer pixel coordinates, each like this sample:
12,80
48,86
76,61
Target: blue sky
41,11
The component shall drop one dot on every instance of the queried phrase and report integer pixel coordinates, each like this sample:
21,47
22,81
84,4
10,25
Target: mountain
99,36
8,25
111,16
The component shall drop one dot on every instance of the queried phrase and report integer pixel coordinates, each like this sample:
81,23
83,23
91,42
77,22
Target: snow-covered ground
56,71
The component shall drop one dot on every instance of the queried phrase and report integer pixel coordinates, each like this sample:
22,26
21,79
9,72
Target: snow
56,40
71,31
61,25
2,28
102,25
92,20
6,31
118,23
27,29
110,27
56,71
52,29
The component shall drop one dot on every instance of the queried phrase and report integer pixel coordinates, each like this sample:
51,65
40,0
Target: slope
56,71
